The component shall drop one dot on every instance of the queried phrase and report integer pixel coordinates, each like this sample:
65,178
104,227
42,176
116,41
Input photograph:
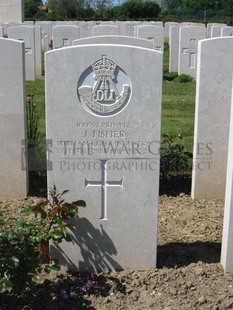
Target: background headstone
167,26
226,31
11,10
46,33
38,51
188,41
216,31
63,36
210,25
105,30
86,29
174,48
212,117
13,172
155,34
106,154
27,35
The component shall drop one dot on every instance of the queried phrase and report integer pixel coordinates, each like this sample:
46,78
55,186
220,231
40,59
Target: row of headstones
37,39
184,42
103,118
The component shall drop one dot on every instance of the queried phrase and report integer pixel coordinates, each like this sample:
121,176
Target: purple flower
87,286
64,294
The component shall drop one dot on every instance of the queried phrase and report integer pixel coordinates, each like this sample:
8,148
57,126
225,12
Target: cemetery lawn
178,108
188,274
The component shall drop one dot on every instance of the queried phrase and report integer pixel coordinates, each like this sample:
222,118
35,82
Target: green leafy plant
24,247
185,78
174,158
169,76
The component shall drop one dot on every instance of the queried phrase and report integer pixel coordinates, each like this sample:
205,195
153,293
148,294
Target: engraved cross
104,184
192,56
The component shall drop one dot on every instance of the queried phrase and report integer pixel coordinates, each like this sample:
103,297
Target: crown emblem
104,67
102,97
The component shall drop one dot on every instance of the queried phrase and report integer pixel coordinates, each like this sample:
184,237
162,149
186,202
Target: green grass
177,110
38,89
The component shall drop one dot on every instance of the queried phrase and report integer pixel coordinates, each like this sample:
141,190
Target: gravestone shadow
96,248
173,255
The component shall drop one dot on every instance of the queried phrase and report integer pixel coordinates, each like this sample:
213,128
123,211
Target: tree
64,9
172,4
135,9
208,4
30,8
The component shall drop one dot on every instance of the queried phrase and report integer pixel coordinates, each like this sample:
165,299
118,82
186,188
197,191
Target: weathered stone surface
105,150
13,172
212,117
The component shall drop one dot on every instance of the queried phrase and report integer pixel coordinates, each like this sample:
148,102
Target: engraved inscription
104,184
103,97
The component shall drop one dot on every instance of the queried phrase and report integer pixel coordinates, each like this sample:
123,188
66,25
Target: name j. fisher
101,134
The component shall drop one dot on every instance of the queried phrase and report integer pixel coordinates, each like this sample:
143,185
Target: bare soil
188,276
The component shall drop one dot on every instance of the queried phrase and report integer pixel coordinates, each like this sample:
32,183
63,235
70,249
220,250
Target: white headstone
129,28
155,34
210,25
28,23
227,238
63,36
13,172
122,40
26,34
158,23
105,150
174,48
46,34
188,40
216,31
102,30
212,117
1,32
11,10
167,26
38,51
86,29
226,31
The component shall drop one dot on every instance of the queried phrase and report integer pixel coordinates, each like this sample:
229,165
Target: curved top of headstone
121,40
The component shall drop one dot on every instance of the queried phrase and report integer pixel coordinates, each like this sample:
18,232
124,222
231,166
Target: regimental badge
107,92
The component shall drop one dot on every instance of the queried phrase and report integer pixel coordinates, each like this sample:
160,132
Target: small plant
185,78
76,291
35,144
25,246
166,43
33,133
169,76
174,158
